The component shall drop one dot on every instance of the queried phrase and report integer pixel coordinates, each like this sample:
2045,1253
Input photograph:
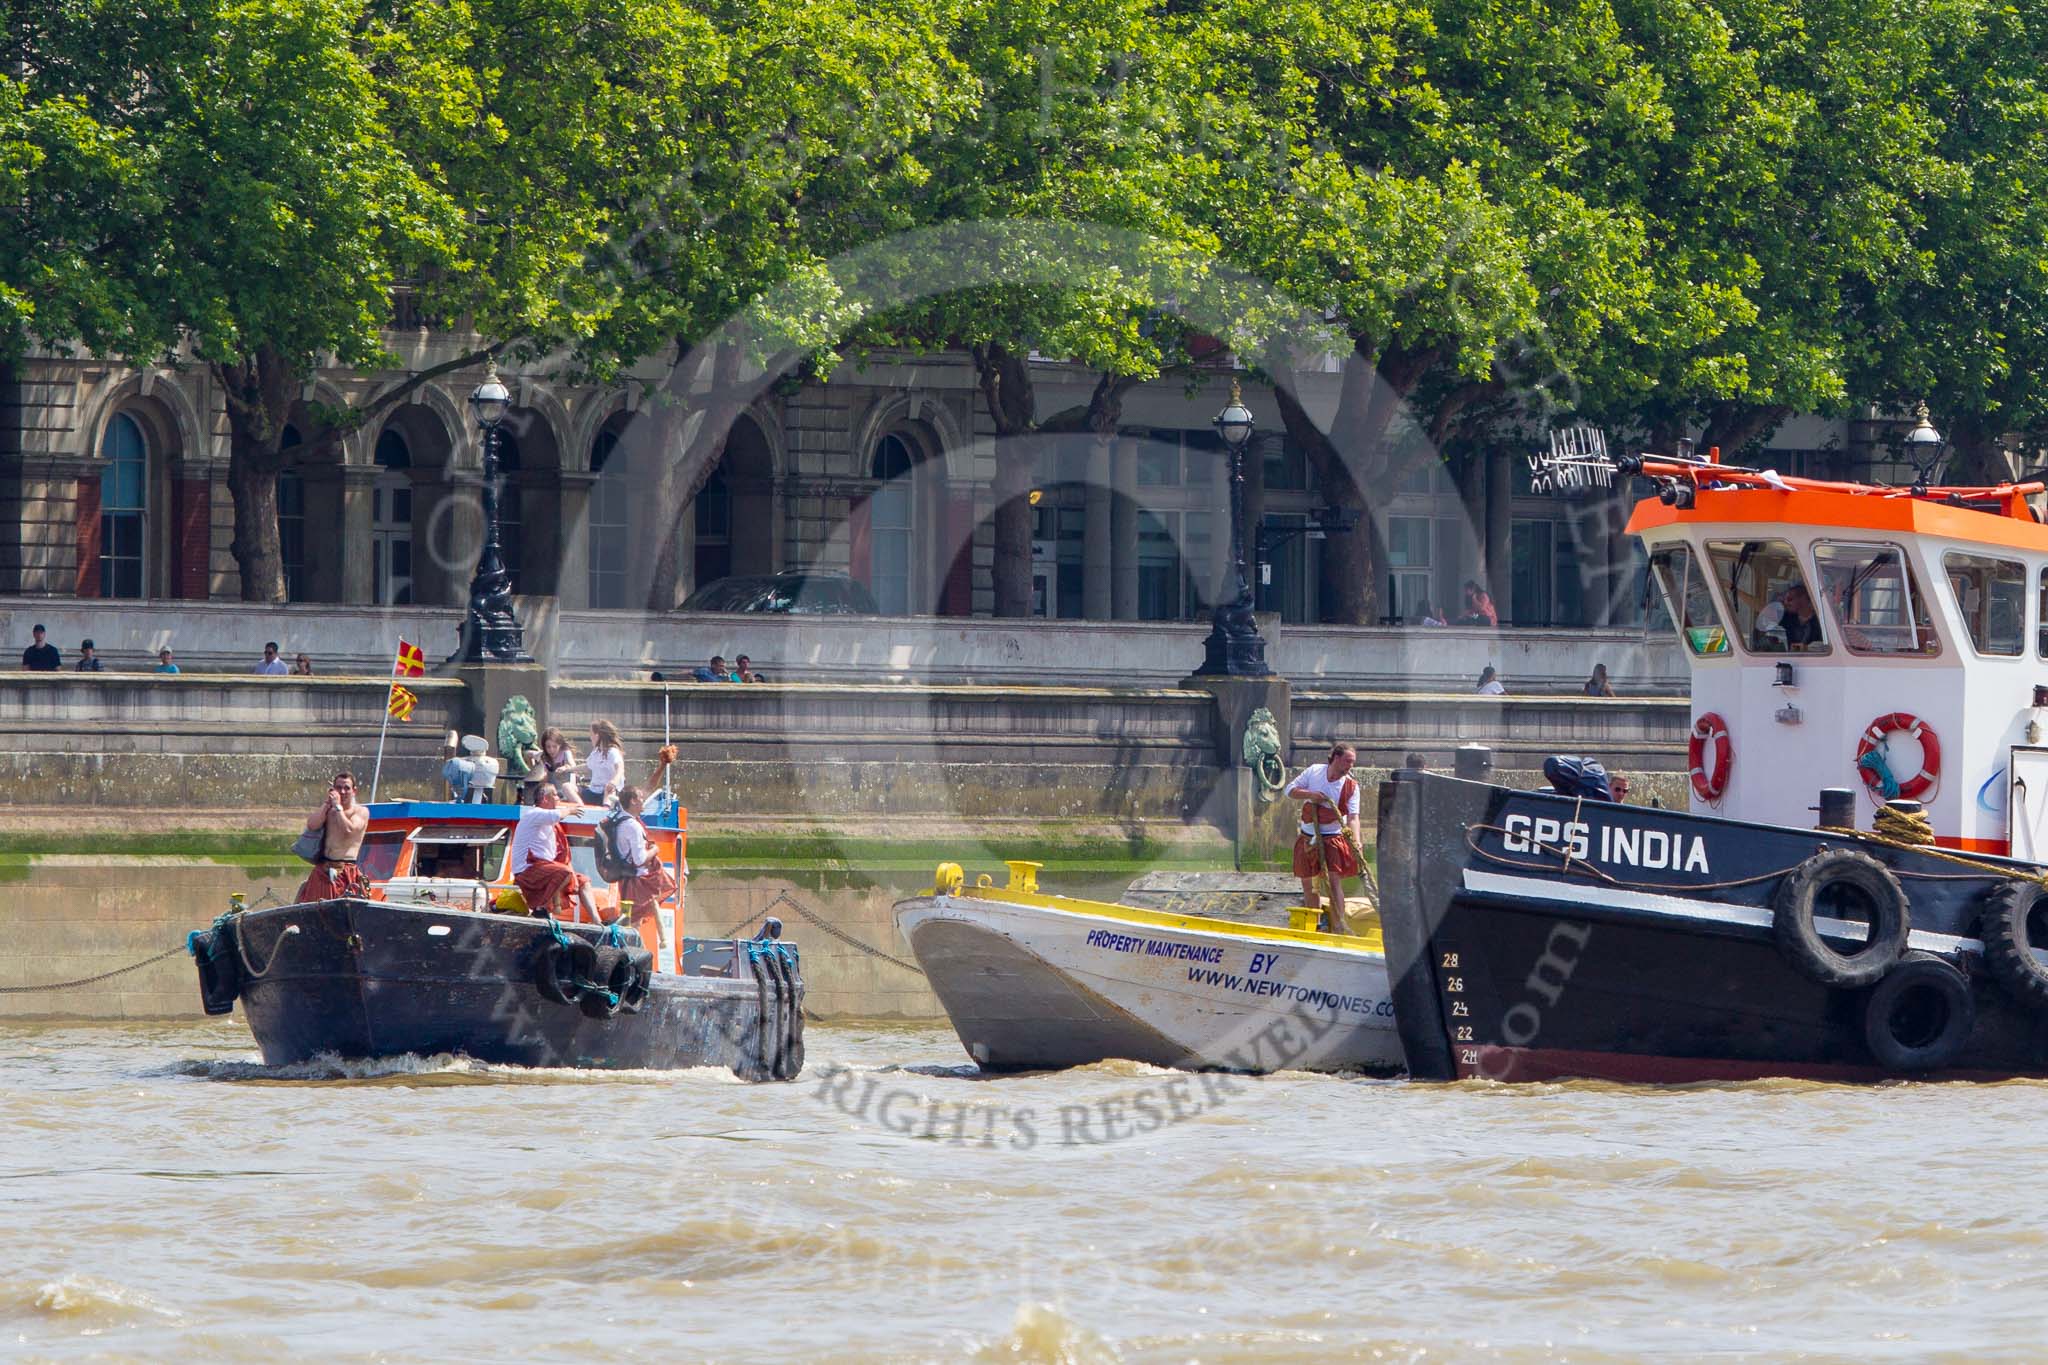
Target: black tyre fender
793,1044
559,968
220,968
2003,921
1920,1016
1799,902
608,978
639,980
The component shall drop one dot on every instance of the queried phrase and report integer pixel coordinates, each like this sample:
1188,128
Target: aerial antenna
1578,462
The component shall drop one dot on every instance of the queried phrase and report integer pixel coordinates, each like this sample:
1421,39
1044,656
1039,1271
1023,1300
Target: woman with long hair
551,763
606,766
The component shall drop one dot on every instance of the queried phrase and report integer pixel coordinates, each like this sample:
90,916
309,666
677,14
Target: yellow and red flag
402,702
412,661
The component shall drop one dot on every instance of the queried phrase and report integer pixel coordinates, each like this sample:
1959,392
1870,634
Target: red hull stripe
1496,1063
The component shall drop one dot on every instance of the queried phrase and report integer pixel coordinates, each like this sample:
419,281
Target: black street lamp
1234,648
491,632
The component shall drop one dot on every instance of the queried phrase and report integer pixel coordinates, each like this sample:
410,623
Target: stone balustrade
228,637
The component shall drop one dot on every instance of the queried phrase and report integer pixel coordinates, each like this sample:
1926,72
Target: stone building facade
113,483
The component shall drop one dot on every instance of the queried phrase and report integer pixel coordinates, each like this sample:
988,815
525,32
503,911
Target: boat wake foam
440,1068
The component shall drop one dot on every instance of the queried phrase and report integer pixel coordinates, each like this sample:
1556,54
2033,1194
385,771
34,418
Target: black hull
365,979
1508,965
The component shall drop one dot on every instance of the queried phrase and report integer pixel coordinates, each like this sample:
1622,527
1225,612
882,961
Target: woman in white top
1489,683
606,764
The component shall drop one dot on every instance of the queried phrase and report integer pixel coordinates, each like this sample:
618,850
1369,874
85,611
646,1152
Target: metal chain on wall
784,898
91,980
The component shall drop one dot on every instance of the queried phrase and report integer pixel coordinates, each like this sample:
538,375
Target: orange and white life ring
1710,781
1912,788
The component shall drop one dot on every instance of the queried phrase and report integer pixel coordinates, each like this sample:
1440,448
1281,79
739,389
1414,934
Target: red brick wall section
192,506
89,536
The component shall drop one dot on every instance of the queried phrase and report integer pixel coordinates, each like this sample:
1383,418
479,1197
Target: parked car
803,592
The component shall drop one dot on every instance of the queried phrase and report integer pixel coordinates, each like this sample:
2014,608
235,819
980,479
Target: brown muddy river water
166,1197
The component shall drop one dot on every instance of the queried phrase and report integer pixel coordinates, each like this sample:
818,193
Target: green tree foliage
1413,173
1962,320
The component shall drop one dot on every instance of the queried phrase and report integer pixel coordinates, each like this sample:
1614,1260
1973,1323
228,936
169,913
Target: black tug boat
443,958
1532,936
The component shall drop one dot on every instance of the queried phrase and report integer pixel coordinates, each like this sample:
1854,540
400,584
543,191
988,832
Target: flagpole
377,774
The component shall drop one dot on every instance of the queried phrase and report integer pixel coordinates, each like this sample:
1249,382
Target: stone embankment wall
72,918
824,755
228,637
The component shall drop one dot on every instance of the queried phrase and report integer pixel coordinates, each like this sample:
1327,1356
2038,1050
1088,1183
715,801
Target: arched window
713,511
124,508
892,525
508,505
291,521
610,513
391,522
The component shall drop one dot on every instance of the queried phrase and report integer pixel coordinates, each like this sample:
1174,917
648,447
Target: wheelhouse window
378,858
1876,599
2041,630
1774,609
1689,601
460,852
1991,594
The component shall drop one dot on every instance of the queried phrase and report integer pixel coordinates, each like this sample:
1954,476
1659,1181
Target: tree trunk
1011,490
1352,456
1005,379
1734,426
259,391
258,551
1975,456
688,435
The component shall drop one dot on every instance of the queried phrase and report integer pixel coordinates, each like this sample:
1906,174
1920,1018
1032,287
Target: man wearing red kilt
341,822
1327,846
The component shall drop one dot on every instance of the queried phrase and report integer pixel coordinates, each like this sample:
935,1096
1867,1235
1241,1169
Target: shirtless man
1330,836
341,822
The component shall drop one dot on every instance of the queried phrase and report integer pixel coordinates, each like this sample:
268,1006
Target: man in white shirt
1330,836
540,860
272,666
650,884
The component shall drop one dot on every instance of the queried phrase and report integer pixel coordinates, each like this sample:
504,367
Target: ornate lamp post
491,632
1234,648
1924,448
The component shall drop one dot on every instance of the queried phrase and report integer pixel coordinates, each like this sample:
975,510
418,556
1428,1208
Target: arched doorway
391,522
124,529
892,525
902,534
609,528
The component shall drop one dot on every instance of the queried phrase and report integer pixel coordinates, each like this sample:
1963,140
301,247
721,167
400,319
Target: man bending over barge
1330,835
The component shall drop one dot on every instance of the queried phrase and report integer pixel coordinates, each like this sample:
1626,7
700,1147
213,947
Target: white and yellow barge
1033,981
